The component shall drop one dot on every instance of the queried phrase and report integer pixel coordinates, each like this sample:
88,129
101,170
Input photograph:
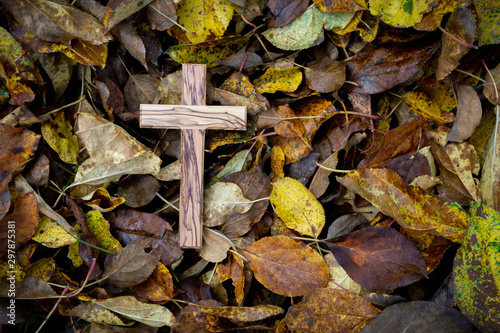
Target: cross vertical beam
193,118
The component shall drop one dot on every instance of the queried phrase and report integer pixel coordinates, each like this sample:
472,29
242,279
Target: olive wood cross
193,117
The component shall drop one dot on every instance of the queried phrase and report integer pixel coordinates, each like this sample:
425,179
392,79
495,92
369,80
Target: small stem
243,62
333,170
471,75
63,107
168,18
166,201
457,40
352,82
53,310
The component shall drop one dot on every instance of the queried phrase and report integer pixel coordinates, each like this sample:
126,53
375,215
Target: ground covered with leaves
363,195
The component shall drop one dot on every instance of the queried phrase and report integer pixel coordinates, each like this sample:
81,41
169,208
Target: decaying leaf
401,14
285,266
469,114
331,310
297,207
215,245
279,80
240,313
159,287
426,107
51,235
379,258
222,200
325,75
99,227
488,27
411,207
476,269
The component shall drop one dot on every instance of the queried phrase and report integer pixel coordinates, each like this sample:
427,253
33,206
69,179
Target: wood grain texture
194,84
191,200
193,117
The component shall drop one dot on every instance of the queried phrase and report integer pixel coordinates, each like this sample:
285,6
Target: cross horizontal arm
193,116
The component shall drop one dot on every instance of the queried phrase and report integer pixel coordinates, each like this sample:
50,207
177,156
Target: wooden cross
192,118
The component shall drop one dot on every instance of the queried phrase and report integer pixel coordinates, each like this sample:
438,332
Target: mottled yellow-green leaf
208,52
477,269
297,207
50,234
488,12
94,313
426,107
307,30
58,133
274,80
102,201
99,227
401,13
204,19
42,269
411,207
8,269
74,254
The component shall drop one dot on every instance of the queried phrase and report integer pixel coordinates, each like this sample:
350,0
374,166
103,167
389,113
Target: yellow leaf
42,269
58,133
99,227
204,19
277,162
298,207
102,201
74,254
427,108
401,13
273,80
50,234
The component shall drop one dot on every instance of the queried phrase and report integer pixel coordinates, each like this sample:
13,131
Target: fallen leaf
339,136
51,235
162,14
238,163
277,163
339,277
130,225
419,316
431,20
490,88
490,173
240,85
462,26
140,89
139,190
320,181
329,6
377,69
255,186
488,27
242,313
345,224
170,172
307,29
297,207
132,265
233,270
292,128
118,10
96,314
215,245
57,21
208,52
42,269
325,75
103,202
401,14
285,11
379,258
210,22
331,310
411,207
273,80
476,269
410,166
426,107
469,114
285,266
58,68
222,200
99,227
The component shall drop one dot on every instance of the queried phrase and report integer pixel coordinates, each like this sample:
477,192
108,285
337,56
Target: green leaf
477,269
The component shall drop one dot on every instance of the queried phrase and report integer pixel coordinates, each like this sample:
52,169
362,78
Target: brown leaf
126,34
254,185
286,267
339,136
292,128
377,69
331,310
242,313
215,245
411,207
461,25
345,224
419,316
304,169
159,287
17,145
330,6
404,139
320,181
325,75
102,201
158,11
379,258
131,225
285,11
139,190
490,89
140,89
132,265
410,166
56,20
469,114
118,10
233,270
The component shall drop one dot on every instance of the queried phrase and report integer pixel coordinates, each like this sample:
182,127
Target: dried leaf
58,68
331,310
215,245
329,6
149,314
490,174
477,269
51,235
118,10
419,316
488,27
99,227
241,313
140,89
345,224
325,75
286,267
233,270
132,265
401,14
297,207
339,277
273,80
411,207
277,163
426,107
469,114
377,69
210,22
320,181
285,11
379,258
409,167
222,200
138,191
162,14
292,128
94,313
